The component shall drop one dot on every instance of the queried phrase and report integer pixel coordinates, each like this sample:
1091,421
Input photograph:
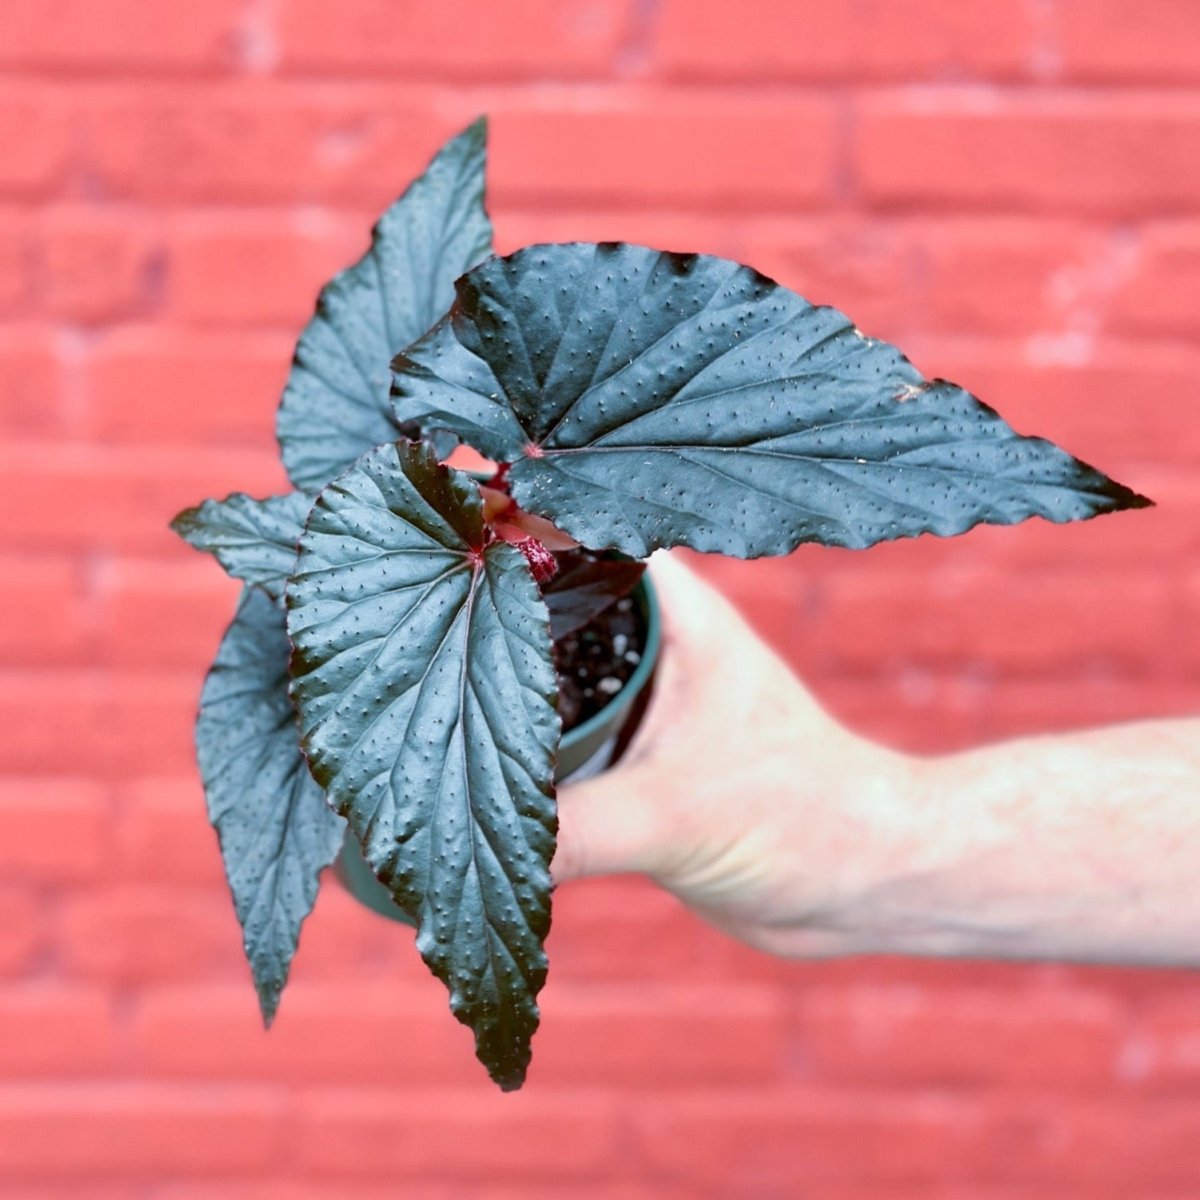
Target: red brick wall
1010,188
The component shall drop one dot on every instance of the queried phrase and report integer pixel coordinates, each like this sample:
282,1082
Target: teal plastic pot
584,751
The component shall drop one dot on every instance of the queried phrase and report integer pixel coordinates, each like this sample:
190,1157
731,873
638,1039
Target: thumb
607,826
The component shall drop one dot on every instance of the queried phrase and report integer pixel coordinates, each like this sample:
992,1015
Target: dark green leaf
422,672
649,399
335,406
254,540
586,586
277,833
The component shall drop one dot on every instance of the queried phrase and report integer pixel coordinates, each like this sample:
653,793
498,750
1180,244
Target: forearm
1080,847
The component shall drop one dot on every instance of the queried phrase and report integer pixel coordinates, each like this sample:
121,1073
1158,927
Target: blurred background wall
1009,188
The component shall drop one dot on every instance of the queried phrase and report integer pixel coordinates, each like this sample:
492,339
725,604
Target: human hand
739,793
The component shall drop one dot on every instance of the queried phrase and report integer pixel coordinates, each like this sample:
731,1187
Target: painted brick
22,931
150,386
878,39
1189,643
270,142
1009,277
656,1036
762,1141
134,934
50,720
400,1031
1162,296
245,271
689,149
367,1189
56,1031
162,834
53,830
263,141
134,1129
465,1133
592,1036
940,975
121,35
1068,152
1152,43
908,1036
916,711
31,381
73,496
16,265
47,617
1115,1145
935,711
1164,1047
559,38
35,131
67,721
51,1191
156,714
794,1139
97,267
154,617
1013,626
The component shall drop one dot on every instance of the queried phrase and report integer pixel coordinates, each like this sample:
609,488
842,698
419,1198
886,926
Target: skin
742,796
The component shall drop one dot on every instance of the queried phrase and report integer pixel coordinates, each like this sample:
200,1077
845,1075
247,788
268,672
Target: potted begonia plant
419,651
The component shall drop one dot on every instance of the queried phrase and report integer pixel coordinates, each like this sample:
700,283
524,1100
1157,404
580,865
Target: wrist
929,890
892,899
